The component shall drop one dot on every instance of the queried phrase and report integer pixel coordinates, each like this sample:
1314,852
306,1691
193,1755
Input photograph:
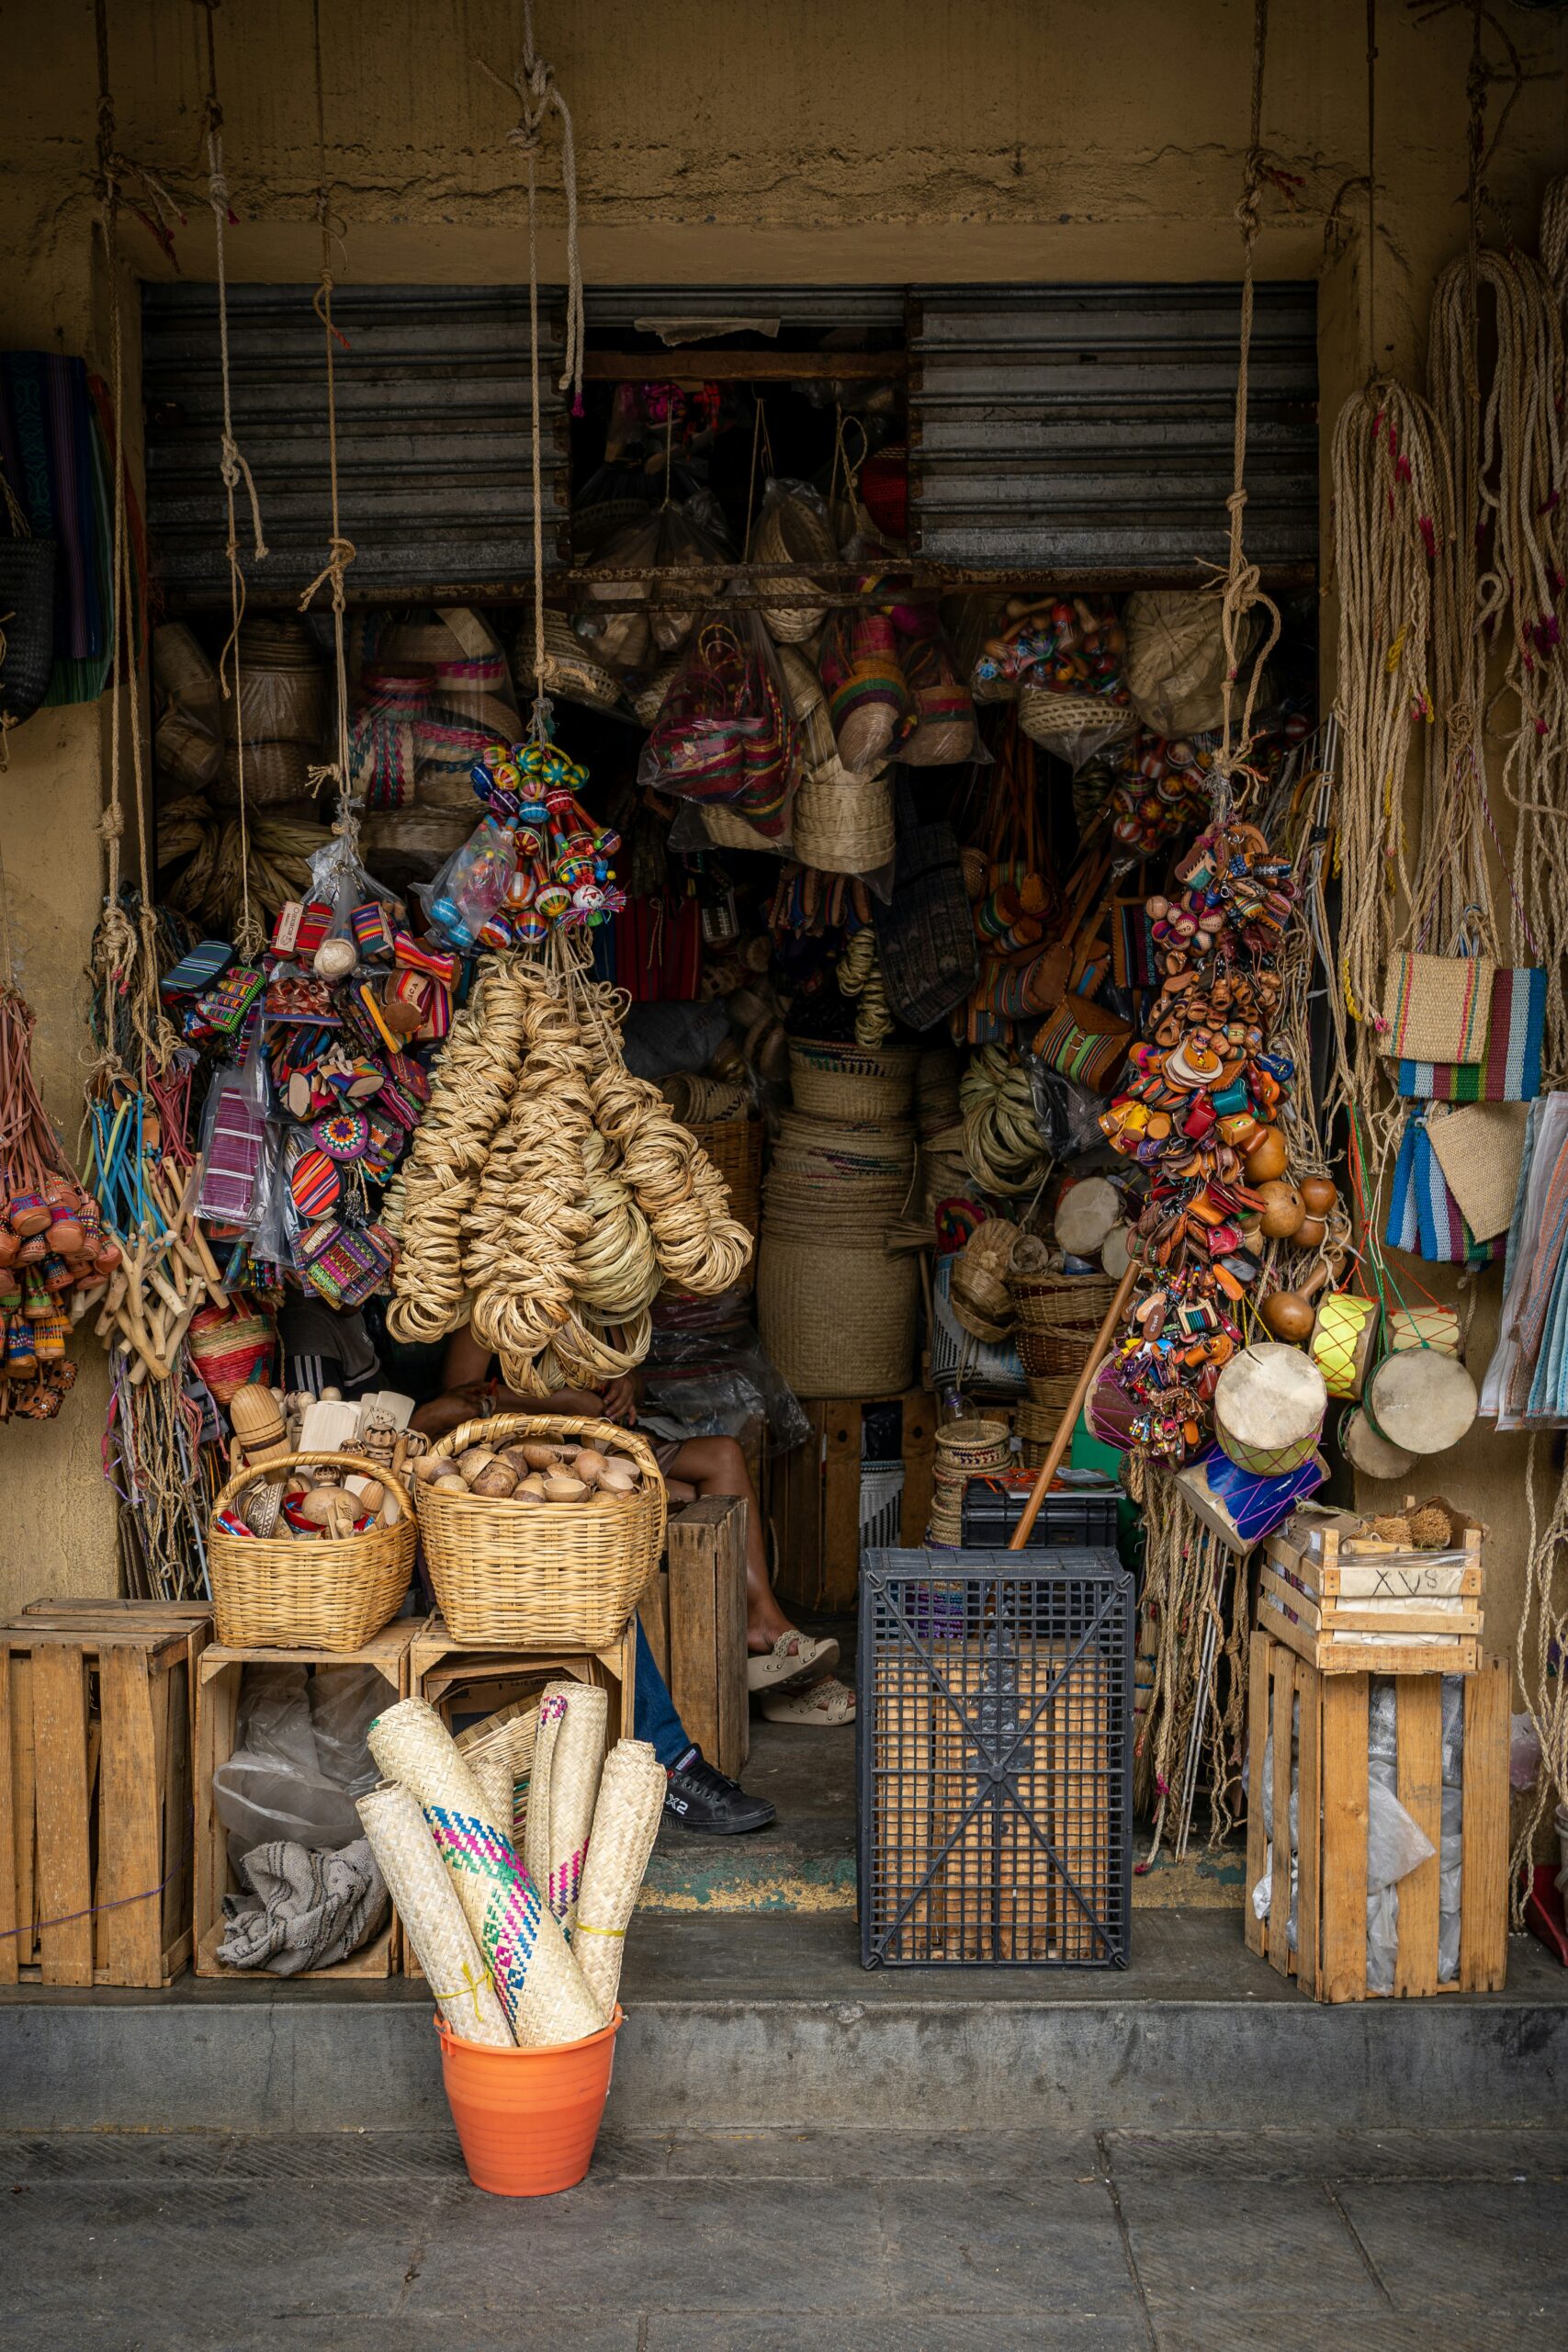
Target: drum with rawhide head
1421,1399
1368,1450
1085,1215
1268,1409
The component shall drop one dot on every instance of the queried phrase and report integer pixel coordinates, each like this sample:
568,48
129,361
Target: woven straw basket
843,823
542,1576
1050,718
275,772
292,1593
838,1322
792,532
852,1081
735,1148
1061,1303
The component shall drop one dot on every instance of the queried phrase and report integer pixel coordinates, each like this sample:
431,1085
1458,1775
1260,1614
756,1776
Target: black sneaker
700,1798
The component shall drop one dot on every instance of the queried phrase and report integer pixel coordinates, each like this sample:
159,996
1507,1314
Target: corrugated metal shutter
1088,428
433,440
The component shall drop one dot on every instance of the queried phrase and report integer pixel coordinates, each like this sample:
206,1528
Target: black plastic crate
994,1504
994,1751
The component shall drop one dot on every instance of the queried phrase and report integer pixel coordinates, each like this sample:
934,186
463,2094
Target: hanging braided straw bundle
569,1757
541,1988
625,1824
1003,1146
422,1888
469,1090
675,1184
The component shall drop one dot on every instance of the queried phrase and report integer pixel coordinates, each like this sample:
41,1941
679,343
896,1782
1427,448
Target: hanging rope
534,85
233,470
342,551
1242,588
539,95
124,954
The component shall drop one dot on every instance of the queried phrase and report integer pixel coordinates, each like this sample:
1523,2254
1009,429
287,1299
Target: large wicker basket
838,1321
273,1592
852,1082
546,1576
735,1148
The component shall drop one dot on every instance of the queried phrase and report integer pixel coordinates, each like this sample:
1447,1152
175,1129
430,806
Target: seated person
791,1670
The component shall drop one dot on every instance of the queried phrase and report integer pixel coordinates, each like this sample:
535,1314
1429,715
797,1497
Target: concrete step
736,2020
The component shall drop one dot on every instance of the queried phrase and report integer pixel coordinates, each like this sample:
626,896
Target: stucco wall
829,139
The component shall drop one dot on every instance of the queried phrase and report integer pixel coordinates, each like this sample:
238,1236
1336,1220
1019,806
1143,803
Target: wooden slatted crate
95,1792
1426,1615
219,1675
815,1495
1330,1960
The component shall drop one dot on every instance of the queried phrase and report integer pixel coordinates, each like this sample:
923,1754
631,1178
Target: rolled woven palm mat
563,1786
492,1771
423,1889
626,1823
541,1987
511,1733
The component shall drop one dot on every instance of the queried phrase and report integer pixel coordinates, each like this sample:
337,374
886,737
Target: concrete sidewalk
871,2241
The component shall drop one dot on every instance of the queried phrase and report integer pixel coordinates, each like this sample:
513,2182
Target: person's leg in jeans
698,1796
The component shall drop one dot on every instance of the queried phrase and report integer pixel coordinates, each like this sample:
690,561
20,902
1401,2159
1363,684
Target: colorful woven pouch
1424,1218
1509,1069
1082,1041
1437,1008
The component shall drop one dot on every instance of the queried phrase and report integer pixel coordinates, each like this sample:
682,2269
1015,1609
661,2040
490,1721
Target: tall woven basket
838,1321
852,1081
563,1575
292,1593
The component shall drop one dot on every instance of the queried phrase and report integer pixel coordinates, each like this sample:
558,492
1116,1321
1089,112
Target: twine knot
340,554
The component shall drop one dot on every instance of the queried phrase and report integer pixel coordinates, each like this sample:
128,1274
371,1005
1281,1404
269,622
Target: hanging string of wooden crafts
1201,1115
548,1193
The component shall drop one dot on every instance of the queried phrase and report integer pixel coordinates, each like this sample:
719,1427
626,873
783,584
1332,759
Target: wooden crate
814,1503
1309,1594
95,1770
445,1670
220,1674
706,1608
1330,1961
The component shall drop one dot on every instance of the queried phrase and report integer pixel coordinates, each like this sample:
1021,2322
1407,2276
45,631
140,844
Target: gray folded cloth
314,1909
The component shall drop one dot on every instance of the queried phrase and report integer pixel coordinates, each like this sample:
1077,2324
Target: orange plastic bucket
528,2119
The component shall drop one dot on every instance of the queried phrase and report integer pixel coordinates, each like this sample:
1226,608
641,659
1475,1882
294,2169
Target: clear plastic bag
946,732
726,1399
726,732
470,886
275,1784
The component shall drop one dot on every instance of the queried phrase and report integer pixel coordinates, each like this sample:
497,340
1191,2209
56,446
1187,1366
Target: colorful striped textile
55,439
1424,1218
1509,1069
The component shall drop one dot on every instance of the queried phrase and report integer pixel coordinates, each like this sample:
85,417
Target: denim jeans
655,1719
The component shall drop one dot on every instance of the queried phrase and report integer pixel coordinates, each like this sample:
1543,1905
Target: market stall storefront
763,1131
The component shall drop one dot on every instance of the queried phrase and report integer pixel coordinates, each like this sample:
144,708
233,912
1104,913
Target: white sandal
793,1657
829,1705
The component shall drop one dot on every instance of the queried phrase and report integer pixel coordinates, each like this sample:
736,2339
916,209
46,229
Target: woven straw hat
1175,665
1064,721
571,671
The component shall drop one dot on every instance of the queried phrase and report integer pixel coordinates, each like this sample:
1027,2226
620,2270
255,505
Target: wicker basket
843,823
838,1322
274,773
290,1593
1061,1303
546,1576
852,1081
790,531
1051,1355
735,1148
1051,719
